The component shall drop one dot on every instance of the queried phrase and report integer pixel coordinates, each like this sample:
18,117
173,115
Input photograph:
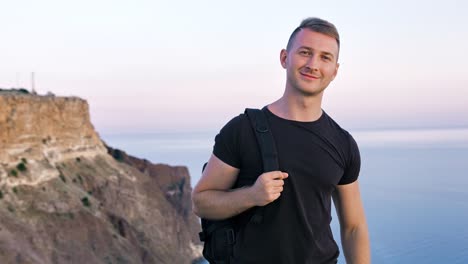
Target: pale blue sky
147,66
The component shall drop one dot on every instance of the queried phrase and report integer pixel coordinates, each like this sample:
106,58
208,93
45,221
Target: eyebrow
322,52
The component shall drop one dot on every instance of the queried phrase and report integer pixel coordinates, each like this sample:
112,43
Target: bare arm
213,198
354,232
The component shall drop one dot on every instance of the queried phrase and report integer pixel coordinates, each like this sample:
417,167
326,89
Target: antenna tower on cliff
33,90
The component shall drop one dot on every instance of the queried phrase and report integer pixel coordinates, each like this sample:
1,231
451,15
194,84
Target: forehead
316,41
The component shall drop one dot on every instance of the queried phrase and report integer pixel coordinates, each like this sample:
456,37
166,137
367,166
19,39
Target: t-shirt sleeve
353,165
227,143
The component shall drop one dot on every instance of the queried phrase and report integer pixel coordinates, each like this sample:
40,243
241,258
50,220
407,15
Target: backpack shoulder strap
267,147
265,139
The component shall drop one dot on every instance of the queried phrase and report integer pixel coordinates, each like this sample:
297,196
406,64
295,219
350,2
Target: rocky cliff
65,197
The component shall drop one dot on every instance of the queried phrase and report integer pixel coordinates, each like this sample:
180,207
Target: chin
310,91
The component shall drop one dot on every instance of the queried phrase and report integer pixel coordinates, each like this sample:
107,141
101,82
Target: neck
298,108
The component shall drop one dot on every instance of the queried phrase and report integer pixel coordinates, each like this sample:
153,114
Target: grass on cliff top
13,90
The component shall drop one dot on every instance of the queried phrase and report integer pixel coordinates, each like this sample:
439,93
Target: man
318,161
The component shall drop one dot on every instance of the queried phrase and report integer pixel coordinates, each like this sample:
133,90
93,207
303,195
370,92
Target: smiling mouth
308,76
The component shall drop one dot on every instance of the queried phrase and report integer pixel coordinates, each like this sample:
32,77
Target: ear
336,70
283,57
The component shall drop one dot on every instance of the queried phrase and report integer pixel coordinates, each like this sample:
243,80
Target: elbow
353,229
196,210
350,229
355,232
195,203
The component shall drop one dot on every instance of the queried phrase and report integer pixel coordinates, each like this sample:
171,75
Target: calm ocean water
414,185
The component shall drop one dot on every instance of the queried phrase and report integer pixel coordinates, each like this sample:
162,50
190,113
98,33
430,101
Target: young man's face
311,63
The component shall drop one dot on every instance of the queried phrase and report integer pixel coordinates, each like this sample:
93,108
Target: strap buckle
230,236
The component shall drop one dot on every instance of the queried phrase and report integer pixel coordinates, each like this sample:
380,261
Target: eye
327,58
304,53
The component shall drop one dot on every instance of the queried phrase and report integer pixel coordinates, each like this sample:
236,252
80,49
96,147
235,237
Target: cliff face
64,199
49,127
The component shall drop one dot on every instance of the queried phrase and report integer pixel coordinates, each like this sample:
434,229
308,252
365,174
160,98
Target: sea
414,186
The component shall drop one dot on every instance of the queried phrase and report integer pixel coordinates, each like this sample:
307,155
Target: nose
312,63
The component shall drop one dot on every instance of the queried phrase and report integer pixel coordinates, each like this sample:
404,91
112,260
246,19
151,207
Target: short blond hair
317,25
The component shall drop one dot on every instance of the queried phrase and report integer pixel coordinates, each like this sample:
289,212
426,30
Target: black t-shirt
318,156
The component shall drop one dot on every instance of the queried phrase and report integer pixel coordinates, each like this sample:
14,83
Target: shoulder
235,126
336,128
230,139
349,150
345,139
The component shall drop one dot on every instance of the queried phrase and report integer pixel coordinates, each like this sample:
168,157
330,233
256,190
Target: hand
268,187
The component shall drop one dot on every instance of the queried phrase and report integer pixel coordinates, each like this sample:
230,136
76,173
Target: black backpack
219,236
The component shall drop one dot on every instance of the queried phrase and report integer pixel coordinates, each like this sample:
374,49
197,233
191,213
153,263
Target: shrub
1,195
78,159
118,155
24,160
86,201
15,190
62,177
13,173
21,167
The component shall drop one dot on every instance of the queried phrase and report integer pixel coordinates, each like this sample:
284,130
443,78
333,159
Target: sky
150,66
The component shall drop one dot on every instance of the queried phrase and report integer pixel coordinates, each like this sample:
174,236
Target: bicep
348,204
217,175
